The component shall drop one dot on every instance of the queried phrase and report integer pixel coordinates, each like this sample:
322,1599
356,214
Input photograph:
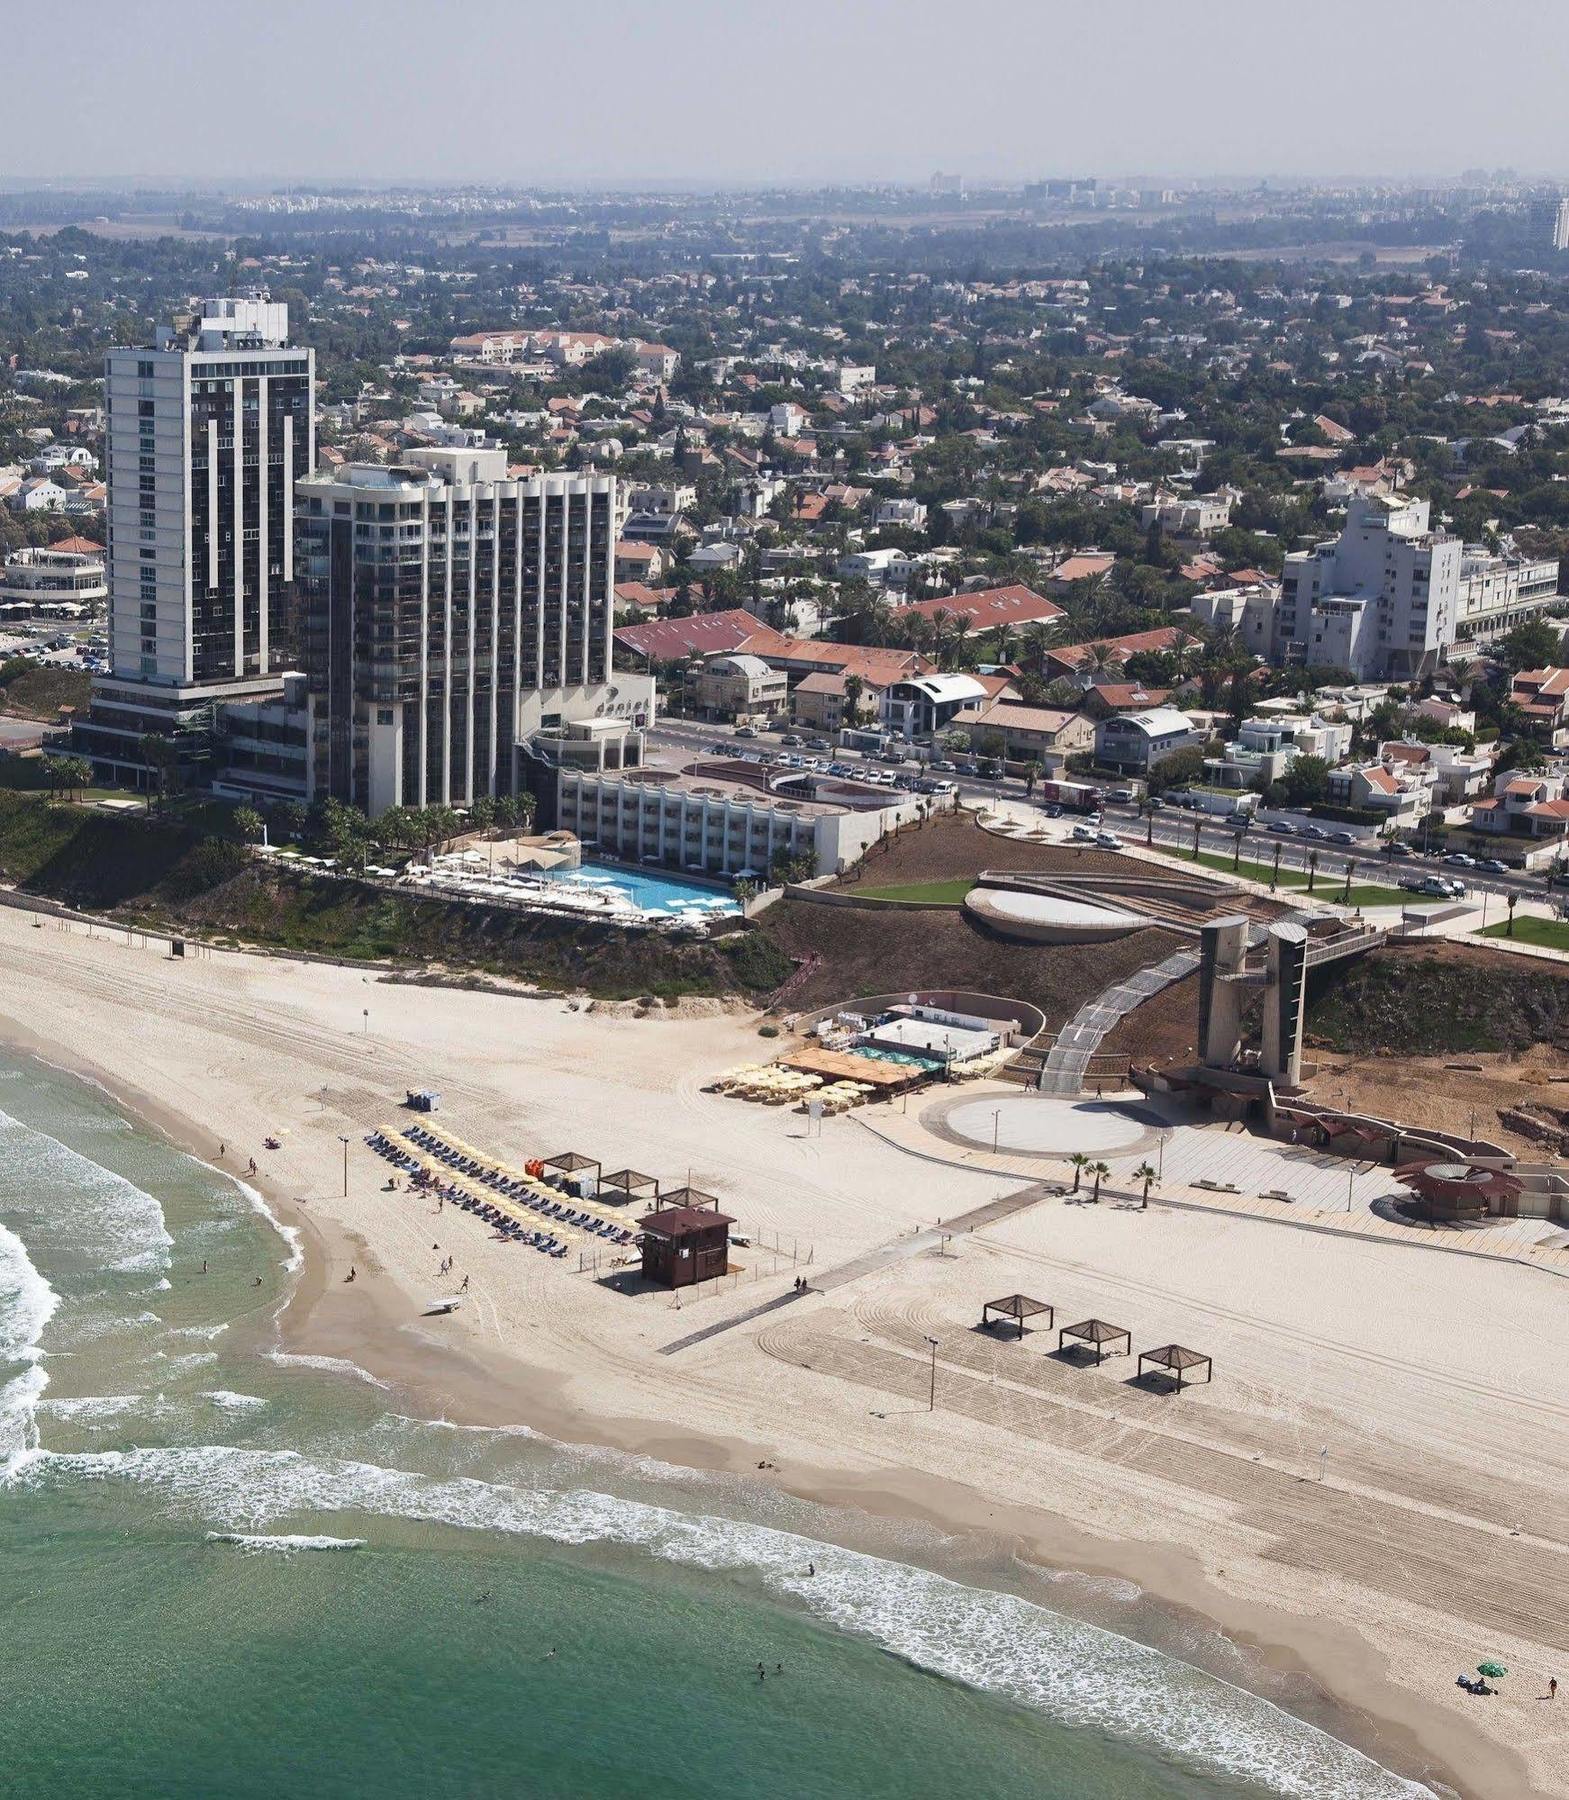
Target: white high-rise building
457,618
1382,599
207,432
1561,225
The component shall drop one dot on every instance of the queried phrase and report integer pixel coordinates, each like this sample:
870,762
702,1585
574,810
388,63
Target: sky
730,92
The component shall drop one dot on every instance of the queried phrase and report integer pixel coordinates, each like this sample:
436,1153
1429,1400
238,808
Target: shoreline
368,1325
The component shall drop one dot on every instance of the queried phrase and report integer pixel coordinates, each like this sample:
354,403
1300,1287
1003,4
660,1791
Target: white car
1082,834
1108,840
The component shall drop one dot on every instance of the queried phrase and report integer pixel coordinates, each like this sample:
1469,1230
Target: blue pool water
654,893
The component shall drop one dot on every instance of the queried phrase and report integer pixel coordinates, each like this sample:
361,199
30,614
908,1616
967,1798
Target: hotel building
453,617
208,433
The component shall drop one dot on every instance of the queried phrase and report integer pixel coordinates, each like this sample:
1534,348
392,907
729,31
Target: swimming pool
664,892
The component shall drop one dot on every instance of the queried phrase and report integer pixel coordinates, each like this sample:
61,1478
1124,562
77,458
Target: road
672,738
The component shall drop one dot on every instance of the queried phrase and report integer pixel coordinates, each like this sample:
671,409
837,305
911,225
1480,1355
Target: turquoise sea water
226,1572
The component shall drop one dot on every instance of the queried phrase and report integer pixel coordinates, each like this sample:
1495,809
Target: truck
1071,796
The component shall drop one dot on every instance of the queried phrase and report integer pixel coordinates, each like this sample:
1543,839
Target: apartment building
453,619
61,580
1381,600
208,434
1498,591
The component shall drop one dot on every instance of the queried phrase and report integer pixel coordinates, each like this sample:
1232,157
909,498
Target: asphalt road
1172,830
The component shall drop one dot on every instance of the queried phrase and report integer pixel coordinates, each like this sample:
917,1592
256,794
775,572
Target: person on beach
252,1167
222,1148
350,1275
204,1265
811,1568
1552,1687
465,1288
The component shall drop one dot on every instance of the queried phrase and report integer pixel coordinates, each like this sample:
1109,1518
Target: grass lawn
1326,887
948,893
1548,934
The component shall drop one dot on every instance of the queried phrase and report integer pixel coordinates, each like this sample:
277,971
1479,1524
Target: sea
226,1570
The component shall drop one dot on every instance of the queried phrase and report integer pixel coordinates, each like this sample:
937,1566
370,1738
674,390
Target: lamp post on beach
342,1139
996,1117
931,1397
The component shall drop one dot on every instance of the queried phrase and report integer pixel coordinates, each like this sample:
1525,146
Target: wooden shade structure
1017,1307
1097,1334
625,1184
684,1244
571,1162
1175,1360
686,1196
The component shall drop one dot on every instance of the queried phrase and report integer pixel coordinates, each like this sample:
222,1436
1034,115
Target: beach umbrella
1491,1669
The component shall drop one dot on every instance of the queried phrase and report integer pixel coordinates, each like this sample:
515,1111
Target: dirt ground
953,845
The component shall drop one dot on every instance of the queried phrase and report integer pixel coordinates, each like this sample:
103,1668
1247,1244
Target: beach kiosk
686,1239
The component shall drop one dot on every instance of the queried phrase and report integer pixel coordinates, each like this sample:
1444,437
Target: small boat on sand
444,1306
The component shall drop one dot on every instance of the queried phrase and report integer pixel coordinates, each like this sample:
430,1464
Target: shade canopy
1017,1307
570,1162
629,1181
1177,1360
1097,1333
688,1196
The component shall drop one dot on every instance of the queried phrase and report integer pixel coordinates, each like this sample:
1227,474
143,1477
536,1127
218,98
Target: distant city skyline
698,93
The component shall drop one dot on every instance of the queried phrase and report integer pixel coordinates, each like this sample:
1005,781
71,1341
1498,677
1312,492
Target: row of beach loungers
498,1213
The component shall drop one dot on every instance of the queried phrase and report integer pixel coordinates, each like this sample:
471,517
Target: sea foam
114,1224
286,1543
27,1304
1078,1673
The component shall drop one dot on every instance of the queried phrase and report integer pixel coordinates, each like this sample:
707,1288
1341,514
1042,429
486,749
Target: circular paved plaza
1044,1124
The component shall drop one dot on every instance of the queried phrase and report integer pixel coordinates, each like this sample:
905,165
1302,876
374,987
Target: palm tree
1312,869
1035,645
1081,1161
1145,1174
1032,774
1098,1170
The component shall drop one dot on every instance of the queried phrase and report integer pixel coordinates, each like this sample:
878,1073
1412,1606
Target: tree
1306,781
1146,1174
482,812
506,813
162,757
248,823
1032,774
1081,1161
1532,644
1099,1170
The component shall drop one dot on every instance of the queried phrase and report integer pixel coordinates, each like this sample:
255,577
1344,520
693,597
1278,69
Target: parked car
1120,794
792,740
1053,811
1398,849
944,768
1312,831
1082,834
746,731
1344,837
1459,860
1280,825
1108,840
1157,804
1492,866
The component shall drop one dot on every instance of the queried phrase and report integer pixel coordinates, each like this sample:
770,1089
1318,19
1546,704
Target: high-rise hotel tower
208,433
454,617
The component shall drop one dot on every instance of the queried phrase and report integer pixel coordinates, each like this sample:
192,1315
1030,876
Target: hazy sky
731,90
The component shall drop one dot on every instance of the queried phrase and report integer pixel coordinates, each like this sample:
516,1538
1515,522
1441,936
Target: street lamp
996,1117
931,1398
365,1015
345,1143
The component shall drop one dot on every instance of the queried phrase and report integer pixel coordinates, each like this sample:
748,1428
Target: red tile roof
991,607
703,634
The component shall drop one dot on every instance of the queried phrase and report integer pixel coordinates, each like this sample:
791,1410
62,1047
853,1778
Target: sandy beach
1433,1533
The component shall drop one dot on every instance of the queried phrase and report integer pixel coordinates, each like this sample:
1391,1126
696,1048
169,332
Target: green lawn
1325,887
1549,934
948,893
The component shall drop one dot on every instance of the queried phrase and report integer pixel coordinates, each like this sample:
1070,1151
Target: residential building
1084,662
637,561
491,346
1136,742
1400,793
1264,748
1543,696
1250,611
986,609
1498,591
456,619
909,515
1192,516
921,705
740,687
1381,600
1043,734
208,433
1531,806
652,642
38,494
824,702
658,362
